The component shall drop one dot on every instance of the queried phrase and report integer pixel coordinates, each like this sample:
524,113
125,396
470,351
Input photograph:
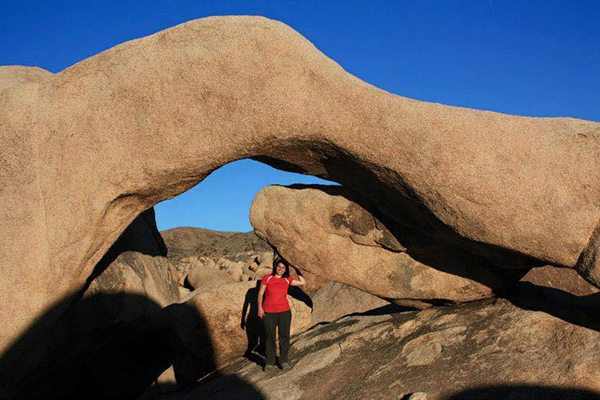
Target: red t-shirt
276,293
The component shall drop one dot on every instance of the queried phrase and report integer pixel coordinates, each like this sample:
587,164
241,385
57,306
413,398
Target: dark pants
282,321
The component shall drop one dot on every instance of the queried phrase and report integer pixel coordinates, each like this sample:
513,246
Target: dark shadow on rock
86,354
225,387
193,355
398,199
85,357
525,392
297,293
577,310
384,310
141,236
252,324
188,285
107,344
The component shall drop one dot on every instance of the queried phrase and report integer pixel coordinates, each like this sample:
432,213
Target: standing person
275,311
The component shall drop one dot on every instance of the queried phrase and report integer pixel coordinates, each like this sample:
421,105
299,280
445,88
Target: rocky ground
361,346
187,328
539,343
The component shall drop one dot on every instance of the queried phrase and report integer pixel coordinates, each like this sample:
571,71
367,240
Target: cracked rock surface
489,349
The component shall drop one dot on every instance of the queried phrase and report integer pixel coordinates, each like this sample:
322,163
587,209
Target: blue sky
536,58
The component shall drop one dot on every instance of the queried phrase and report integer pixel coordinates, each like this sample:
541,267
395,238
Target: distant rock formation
204,275
88,149
199,242
326,231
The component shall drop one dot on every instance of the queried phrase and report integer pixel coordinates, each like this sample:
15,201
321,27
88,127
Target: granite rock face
565,279
205,275
335,300
86,150
15,75
137,264
490,349
111,340
326,231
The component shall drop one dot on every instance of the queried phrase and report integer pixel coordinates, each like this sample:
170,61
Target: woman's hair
278,259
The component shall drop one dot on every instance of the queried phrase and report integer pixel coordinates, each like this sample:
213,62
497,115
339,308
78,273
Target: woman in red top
275,311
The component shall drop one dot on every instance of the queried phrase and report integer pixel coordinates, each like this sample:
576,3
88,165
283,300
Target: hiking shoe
284,365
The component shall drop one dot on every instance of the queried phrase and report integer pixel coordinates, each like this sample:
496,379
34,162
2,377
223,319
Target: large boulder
490,349
112,340
137,264
88,149
203,276
232,268
313,282
334,300
325,230
210,331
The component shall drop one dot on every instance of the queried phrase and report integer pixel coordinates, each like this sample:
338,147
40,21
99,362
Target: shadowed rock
88,149
112,339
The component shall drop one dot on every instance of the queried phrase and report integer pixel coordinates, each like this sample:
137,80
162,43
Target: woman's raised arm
300,281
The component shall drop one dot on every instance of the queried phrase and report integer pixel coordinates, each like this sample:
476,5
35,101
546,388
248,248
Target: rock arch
89,148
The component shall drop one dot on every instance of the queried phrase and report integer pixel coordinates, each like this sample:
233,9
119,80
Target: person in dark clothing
275,310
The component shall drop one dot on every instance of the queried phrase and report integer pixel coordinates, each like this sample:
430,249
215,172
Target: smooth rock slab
491,348
565,279
336,299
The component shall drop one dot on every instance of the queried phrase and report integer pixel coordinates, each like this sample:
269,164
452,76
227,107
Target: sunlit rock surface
490,349
86,150
330,232
336,299
564,279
